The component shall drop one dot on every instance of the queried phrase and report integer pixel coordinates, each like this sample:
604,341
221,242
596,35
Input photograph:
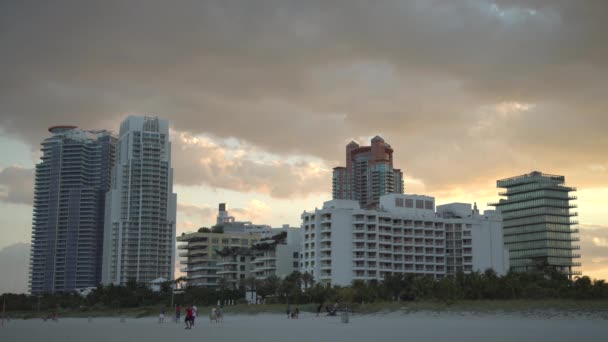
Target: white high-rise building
139,233
343,242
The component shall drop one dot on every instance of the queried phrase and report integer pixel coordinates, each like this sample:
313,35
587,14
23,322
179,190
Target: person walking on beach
194,313
178,313
319,309
220,314
213,315
288,311
161,317
297,313
189,318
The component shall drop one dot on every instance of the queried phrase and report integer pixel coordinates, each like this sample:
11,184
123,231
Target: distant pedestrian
161,316
297,313
319,309
178,313
194,313
189,318
220,314
288,311
213,315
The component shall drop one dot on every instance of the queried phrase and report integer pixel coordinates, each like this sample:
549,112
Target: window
399,202
215,240
409,203
419,204
242,268
242,259
428,205
225,241
296,255
295,264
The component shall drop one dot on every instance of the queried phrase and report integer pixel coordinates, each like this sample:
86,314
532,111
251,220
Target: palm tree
307,279
273,282
222,284
251,285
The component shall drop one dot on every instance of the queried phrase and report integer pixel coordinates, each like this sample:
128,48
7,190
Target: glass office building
538,226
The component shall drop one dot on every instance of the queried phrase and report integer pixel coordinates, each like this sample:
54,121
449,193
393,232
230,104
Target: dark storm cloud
306,77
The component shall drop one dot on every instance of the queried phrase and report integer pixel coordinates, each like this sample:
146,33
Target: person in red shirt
189,317
178,313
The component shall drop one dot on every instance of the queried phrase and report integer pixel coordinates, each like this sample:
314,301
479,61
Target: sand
421,326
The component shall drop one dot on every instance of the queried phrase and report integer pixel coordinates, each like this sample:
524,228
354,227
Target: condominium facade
139,234
538,227
210,256
278,255
343,242
68,219
368,174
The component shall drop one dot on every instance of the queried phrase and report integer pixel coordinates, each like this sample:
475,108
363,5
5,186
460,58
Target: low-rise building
342,242
198,253
235,264
236,250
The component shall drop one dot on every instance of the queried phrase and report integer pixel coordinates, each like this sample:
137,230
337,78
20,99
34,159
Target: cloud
303,78
17,185
255,211
594,250
198,160
600,242
202,214
14,268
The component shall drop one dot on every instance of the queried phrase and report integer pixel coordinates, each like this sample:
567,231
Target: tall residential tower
139,236
537,223
368,174
69,200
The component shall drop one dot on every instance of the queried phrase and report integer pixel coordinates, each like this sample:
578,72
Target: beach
420,326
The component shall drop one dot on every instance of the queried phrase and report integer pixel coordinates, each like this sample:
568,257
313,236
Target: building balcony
264,268
265,258
227,263
226,272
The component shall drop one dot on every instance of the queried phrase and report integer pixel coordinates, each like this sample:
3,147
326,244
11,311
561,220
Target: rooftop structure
230,225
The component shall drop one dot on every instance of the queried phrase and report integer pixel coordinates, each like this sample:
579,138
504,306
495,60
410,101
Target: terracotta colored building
368,174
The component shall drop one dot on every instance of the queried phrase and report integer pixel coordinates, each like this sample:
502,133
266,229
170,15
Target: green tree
307,279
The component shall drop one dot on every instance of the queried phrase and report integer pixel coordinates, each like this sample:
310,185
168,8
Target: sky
263,96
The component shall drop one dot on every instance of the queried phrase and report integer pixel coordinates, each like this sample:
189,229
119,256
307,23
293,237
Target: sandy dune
269,328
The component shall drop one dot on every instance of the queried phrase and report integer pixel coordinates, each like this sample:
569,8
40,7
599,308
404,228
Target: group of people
217,315
191,314
331,310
